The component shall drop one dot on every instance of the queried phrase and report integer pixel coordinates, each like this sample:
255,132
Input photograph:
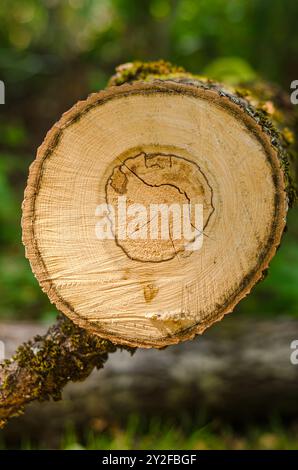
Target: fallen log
239,371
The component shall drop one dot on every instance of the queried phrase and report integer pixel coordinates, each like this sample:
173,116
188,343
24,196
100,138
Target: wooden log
239,371
155,138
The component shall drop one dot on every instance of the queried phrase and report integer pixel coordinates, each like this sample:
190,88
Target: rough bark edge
200,375
206,90
42,367
141,71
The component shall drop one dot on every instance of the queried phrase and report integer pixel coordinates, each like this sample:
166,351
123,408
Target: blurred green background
55,52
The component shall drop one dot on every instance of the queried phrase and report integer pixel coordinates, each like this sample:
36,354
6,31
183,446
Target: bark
41,368
180,162
266,102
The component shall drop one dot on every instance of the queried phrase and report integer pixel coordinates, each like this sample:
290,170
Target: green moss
68,353
133,71
44,365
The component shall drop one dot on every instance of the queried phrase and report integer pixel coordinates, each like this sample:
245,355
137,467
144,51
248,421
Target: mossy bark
41,368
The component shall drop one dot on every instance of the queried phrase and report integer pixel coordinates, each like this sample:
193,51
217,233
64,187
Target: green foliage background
55,52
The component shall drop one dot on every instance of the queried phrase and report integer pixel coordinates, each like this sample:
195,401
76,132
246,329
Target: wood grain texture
162,141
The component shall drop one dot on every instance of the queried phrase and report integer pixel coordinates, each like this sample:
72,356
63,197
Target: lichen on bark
134,71
266,103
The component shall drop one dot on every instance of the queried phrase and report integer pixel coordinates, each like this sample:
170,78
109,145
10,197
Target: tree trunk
156,205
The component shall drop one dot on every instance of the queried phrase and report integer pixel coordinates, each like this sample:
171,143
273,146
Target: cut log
40,368
154,207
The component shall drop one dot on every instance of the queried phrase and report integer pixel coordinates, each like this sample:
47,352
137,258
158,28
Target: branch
42,367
